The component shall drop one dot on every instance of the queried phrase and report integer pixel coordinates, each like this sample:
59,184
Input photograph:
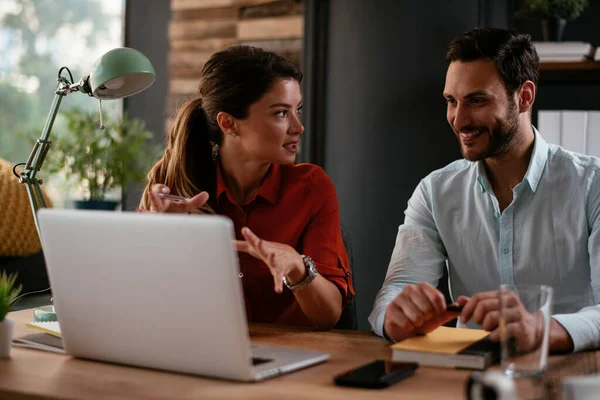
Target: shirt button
496,214
241,275
505,250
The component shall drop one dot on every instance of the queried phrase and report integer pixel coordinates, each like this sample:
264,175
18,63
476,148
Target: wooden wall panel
199,28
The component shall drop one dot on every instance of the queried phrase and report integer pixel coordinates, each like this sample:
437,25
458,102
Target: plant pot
107,205
6,334
553,29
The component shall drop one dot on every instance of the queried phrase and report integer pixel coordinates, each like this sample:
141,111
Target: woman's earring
234,134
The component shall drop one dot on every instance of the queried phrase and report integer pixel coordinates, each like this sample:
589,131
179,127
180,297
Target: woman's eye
299,110
281,113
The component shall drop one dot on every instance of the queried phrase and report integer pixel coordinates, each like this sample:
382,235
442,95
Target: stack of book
565,51
449,347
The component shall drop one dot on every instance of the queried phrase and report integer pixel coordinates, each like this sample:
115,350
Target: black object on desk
376,375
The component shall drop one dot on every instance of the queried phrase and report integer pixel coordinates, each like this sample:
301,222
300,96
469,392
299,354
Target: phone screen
377,374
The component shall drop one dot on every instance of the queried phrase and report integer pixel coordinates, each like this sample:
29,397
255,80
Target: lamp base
45,314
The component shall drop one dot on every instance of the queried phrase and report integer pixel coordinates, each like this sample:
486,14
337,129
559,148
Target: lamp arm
38,154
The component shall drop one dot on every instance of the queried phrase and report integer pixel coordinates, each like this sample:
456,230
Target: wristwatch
311,274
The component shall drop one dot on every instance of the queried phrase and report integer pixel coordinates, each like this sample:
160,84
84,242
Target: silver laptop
156,291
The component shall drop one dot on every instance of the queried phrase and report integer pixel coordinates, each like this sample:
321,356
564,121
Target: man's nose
462,118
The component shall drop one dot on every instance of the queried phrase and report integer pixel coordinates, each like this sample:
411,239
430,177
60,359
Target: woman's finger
197,201
160,188
242,245
157,204
277,279
257,243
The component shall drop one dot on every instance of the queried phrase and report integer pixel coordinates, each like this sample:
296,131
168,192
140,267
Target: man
515,210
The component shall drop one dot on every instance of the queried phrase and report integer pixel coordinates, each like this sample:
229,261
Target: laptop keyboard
258,360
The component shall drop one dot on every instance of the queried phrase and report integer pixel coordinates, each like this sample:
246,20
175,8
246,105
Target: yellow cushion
18,236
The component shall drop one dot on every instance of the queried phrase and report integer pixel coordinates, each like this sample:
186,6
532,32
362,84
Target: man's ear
226,123
526,96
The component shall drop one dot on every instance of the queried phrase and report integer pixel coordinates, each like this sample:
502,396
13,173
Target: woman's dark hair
512,53
231,81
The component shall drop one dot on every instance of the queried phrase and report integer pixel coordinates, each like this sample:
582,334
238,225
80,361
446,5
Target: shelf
571,73
581,65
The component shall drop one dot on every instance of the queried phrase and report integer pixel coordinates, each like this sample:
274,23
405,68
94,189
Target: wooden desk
34,374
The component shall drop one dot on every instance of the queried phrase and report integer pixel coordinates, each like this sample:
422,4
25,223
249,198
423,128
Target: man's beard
501,136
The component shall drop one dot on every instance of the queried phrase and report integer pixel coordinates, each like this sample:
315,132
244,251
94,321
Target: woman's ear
526,96
227,123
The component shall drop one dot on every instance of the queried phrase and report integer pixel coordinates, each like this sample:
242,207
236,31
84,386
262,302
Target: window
37,37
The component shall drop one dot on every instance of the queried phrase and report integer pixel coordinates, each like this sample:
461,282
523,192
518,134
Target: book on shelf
449,347
564,51
563,59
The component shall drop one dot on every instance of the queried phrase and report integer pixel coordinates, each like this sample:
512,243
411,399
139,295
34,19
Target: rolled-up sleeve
418,256
322,238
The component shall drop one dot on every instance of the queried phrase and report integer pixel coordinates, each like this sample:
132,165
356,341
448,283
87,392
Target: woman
231,150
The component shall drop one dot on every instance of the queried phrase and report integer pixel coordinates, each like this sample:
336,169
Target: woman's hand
161,205
281,259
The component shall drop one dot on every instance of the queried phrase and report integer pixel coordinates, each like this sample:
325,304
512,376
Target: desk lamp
117,74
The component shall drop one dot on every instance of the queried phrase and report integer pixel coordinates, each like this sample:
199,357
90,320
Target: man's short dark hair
512,53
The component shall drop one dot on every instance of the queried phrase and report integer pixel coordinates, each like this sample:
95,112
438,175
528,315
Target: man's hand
418,310
484,309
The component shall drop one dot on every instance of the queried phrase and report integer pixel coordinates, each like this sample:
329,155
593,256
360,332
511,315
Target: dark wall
146,29
385,117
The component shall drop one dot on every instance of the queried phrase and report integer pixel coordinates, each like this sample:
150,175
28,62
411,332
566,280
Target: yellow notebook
449,347
52,328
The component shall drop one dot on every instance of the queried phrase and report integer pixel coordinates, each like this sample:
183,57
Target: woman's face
272,130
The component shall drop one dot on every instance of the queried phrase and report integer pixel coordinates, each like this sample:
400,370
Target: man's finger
483,308
435,297
411,311
469,307
397,325
490,321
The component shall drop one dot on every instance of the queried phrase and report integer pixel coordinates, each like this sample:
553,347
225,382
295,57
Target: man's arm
419,254
584,326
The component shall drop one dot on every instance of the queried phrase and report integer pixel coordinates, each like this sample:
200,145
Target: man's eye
450,101
477,100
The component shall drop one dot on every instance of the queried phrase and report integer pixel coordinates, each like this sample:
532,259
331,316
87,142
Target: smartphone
172,197
454,308
376,375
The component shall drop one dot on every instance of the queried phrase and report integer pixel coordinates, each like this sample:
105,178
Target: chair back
348,318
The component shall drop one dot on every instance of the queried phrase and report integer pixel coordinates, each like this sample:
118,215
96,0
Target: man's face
484,119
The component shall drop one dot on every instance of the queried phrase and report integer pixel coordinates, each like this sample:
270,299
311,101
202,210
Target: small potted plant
99,161
553,15
8,295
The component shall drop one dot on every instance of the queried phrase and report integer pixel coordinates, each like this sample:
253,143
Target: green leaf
101,160
8,293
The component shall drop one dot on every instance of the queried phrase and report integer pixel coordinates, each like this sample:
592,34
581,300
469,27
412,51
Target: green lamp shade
120,73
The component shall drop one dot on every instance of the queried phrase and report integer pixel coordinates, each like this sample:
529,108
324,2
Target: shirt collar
539,156
269,190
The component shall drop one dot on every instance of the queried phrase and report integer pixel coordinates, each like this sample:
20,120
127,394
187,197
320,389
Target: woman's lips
292,147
